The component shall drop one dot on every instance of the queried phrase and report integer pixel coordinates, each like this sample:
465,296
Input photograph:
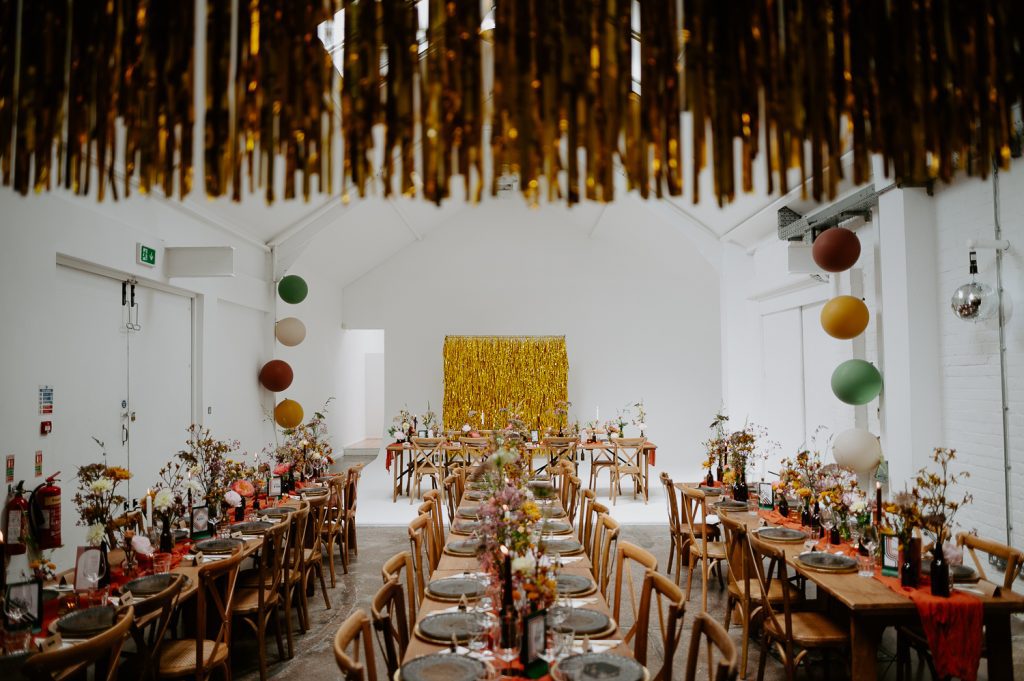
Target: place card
51,643
126,598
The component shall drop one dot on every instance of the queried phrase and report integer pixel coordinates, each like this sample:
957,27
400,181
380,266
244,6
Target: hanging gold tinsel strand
929,85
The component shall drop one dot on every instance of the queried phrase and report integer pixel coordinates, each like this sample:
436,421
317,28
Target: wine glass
869,540
508,645
854,527
482,625
828,521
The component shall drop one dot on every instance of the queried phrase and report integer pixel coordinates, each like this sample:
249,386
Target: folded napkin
211,559
571,559
580,602
483,656
596,646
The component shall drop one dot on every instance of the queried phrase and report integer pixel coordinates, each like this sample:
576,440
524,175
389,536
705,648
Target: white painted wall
361,393
229,343
639,307
942,375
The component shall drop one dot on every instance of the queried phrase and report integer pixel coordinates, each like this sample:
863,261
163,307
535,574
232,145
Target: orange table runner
953,626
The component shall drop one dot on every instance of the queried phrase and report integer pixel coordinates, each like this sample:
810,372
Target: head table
400,454
872,606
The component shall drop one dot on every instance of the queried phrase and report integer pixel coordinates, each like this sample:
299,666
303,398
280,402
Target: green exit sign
146,255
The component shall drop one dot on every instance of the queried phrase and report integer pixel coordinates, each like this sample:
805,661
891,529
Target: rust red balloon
276,375
836,249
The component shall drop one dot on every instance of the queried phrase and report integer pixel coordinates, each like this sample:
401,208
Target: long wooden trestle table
872,606
450,565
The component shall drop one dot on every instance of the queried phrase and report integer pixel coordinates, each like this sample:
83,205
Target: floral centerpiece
717,448
206,461
97,497
306,451
903,514
534,580
560,412
938,508
801,476
843,497
430,421
507,518
640,417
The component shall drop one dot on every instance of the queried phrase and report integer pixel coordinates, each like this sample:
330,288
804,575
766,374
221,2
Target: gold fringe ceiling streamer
488,373
283,98
928,85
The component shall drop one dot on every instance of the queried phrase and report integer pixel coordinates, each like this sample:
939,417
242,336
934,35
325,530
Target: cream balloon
290,331
857,449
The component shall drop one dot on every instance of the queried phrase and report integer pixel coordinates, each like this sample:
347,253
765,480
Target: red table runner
953,626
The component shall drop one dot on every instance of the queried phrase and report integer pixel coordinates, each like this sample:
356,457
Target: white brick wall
969,353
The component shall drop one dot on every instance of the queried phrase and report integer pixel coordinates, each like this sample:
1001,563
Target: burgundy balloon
276,375
836,249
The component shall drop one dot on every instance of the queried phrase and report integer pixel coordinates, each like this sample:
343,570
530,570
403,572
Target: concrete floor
314,658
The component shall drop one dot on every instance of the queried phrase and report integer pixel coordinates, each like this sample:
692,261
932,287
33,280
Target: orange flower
118,473
243,487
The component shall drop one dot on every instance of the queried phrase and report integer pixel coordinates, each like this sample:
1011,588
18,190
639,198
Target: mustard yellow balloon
288,413
844,317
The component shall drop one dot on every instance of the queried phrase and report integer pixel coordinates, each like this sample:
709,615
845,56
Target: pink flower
282,468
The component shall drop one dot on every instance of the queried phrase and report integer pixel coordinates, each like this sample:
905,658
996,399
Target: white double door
123,375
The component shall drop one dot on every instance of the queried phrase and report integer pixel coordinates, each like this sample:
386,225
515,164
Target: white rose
95,534
141,544
195,486
466,428
163,499
233,498
858,507
101,486
316,456
523,564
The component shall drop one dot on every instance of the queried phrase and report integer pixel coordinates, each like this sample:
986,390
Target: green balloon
856,382
292,289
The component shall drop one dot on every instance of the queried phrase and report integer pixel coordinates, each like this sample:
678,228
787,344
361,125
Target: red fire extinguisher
44,516
16,516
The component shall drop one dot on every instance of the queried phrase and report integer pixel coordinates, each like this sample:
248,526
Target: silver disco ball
974,302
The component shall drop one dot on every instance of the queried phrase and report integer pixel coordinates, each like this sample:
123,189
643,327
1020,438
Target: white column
908,320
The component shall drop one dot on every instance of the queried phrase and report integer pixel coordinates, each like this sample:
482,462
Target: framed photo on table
535,636
23,604
765,495
890,555
274,486
199,522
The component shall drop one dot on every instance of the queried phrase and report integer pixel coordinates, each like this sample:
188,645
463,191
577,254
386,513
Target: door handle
124,434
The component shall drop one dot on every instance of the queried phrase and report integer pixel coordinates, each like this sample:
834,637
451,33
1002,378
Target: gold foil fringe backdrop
488,373
929,85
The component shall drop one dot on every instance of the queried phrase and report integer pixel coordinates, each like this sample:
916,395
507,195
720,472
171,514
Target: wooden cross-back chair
210,648
705,629
601,459
335,533
426,462
570,503
792,634
658,591
351,500
353,648
475,449
626,463
419,546
313,555
291,572
149,625
744,590
451,496
561,450
259,606
390,624
606,539
587,497
435,547
74,661
400,568
596,509
626,557
131,520
709,553
436,522
679,537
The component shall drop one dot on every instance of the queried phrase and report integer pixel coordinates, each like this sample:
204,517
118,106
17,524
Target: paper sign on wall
39,463
45,399
10,468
